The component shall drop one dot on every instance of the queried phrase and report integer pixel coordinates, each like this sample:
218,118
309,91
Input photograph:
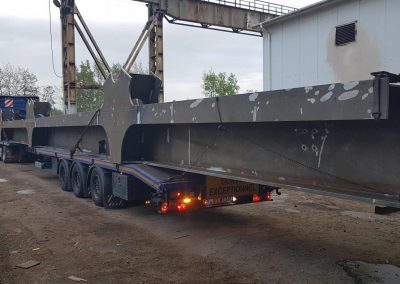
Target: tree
137,68
216,85
17,81
89,74
88,100
51,94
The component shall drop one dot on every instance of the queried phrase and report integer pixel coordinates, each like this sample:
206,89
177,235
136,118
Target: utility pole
67,12
156,53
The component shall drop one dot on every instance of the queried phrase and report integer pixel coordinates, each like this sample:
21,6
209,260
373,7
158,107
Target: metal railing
256,5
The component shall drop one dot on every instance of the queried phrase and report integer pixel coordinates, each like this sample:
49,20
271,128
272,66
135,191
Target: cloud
188,52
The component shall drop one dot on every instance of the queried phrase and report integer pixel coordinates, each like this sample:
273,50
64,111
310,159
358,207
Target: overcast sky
116,24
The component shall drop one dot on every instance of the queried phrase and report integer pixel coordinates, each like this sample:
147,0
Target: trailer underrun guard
336,139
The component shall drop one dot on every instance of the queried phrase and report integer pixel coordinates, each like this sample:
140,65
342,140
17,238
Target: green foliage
137,68
52,95
217,85
89,74
88,100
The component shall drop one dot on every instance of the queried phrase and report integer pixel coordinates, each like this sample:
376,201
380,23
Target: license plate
224,189
221,200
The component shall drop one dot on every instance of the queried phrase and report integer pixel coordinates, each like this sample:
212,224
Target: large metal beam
335,138
235,15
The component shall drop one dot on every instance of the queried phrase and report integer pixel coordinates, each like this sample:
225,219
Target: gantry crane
238,16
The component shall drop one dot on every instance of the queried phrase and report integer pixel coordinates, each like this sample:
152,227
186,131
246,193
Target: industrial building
331,41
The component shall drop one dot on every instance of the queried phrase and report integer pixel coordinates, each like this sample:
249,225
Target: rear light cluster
183,203
164,208
264,197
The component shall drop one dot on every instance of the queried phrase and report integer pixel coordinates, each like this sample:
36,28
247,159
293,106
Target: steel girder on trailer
336,139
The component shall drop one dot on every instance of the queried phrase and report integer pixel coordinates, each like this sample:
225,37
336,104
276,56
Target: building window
346,34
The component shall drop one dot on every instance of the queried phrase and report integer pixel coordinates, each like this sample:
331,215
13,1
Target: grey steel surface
236,15
337,138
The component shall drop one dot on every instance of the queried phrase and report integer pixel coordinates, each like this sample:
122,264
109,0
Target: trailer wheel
64,176
78,180
98,182
101,190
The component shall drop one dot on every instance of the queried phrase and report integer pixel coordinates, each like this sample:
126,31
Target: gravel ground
298,238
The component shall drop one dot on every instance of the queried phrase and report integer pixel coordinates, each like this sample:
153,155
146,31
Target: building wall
302,52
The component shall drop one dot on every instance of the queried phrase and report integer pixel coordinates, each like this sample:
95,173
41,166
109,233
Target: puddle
3,180
371,273
26,191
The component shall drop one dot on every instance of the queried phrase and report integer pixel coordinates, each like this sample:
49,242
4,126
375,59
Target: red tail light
181,207
268,196
164,208
256,198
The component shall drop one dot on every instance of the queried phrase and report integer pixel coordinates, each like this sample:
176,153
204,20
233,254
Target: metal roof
299,12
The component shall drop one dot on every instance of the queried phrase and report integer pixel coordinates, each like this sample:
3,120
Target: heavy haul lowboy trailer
336,139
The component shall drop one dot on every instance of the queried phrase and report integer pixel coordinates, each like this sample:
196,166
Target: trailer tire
101,190
98,182
78,180
64,175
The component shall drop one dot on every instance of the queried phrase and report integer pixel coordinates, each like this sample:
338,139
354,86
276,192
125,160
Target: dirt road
298,238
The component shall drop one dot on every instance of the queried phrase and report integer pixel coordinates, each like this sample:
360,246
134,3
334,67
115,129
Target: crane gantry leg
67,11
156,50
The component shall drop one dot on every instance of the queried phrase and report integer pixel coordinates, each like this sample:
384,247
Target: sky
116,24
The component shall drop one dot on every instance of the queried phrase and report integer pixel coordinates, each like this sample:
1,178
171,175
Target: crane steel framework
240,16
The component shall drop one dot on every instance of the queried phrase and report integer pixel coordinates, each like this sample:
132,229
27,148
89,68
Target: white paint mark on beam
322,150
348,95
326,97
216,169
196,103
350,85
254,112
253,97
308,89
